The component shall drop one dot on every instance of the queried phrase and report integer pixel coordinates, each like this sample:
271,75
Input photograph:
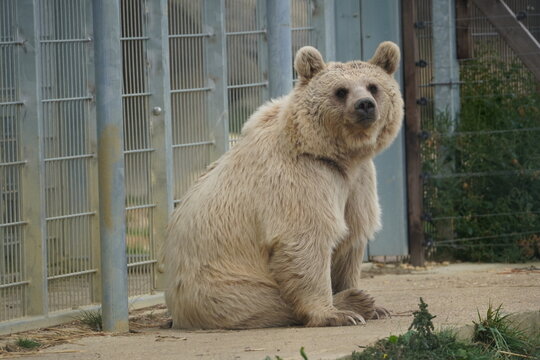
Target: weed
422,343
496,331
26,343
92,318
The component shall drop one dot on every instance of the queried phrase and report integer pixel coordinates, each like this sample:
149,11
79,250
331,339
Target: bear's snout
366,111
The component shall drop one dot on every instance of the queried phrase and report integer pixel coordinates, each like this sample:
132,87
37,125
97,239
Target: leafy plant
422,343
422,326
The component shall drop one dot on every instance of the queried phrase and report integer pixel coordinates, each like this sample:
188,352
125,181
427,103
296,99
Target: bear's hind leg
236,305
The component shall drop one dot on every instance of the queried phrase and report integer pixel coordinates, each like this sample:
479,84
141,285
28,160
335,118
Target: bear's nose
364,106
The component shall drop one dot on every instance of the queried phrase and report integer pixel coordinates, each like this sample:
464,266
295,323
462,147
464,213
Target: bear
274,233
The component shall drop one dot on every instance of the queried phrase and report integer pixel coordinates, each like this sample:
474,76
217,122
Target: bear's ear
308,62
387,57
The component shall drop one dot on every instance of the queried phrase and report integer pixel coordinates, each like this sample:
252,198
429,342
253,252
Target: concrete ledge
61,317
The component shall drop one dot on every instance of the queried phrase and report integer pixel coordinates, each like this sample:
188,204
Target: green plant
91,318
482,171
422,326
27,343
422,343
496,331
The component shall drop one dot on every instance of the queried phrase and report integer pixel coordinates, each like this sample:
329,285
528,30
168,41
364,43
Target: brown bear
274,233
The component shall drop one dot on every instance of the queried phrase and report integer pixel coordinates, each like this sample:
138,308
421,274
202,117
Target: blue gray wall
360,26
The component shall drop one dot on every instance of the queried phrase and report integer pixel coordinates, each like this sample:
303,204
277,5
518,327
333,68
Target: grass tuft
497,332
92,318
27,343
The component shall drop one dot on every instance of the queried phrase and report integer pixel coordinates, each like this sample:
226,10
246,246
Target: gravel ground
455,293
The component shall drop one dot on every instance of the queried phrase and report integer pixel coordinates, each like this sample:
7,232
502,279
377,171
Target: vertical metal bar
412,138
262,48
35,251
108,61
160,104
279,47
93,181
216,57
445,64
324,24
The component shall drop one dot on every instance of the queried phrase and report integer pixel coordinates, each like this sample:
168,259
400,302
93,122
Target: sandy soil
454,293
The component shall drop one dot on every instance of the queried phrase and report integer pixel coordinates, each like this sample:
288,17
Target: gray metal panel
324,23
358,33
392,239
348,30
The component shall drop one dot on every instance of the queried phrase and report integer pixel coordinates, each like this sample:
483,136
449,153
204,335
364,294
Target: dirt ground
454,293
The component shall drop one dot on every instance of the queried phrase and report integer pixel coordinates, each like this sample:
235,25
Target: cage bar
32,182
279,47
111,170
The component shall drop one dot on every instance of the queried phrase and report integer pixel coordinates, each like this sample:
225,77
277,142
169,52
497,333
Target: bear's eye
373,89
341,93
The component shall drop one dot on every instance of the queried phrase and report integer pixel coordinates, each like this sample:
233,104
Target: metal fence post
108,58
262,48
324,22
412,131
445,64
93,180
160,103
216,59
34,253
280,71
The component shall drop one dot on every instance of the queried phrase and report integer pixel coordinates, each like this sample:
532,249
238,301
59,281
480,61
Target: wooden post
515,34
412,139
463,36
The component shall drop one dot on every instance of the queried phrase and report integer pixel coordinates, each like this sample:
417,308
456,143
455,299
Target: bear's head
352,109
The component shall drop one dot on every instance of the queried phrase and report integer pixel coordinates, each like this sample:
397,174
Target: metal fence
193,71
480,178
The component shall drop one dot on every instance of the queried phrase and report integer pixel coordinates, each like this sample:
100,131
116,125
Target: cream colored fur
274,233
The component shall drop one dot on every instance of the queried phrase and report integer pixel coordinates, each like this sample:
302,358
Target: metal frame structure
109,111
107,146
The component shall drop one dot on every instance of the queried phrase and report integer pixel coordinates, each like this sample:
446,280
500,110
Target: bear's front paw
336,318
380,313
356,300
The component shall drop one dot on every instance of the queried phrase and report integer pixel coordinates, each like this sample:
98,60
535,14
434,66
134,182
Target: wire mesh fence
49,218
481,170
13,279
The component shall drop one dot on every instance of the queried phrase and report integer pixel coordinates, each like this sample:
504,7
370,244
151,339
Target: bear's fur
274,233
